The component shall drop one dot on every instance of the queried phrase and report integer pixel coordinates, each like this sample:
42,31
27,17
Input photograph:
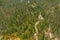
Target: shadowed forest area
18,18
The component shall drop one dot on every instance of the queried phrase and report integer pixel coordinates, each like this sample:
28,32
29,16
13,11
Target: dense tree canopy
20,16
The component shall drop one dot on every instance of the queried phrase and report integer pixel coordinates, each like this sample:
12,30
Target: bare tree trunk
40,18
36,29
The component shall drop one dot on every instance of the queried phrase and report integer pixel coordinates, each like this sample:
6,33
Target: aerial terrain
24,19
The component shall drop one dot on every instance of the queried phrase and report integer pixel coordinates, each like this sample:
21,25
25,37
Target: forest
19,19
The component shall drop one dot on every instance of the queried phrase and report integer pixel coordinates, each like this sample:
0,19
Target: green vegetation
20,16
